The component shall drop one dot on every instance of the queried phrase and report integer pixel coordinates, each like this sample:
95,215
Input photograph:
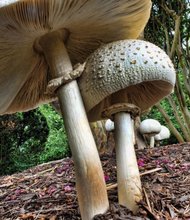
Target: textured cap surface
129,71
23,72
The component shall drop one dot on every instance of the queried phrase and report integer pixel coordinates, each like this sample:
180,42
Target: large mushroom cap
88,23
129,71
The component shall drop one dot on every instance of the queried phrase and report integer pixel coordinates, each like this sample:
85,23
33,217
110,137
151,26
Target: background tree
168,28
20,141
31,138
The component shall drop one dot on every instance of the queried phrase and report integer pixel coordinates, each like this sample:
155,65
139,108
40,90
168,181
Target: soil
47,191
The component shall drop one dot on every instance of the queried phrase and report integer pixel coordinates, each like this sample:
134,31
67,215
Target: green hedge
31,138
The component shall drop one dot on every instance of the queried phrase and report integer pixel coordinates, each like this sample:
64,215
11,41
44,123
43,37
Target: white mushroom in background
139,138
164,134
109,125
121,79
40,42
149,128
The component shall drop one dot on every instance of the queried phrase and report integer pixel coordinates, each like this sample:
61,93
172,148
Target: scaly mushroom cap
164,134
129,71
89,23
150,127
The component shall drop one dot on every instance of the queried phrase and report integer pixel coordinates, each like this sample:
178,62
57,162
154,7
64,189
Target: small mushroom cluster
152,129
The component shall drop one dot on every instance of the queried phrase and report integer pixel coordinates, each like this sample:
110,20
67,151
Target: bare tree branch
170,124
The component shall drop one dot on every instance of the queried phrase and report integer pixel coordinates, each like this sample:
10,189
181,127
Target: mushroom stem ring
47,45
90,182
54,84
132,109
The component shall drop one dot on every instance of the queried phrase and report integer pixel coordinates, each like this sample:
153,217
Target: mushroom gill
87,24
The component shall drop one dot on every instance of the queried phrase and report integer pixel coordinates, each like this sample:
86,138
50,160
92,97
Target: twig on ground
147,199
114,185
39,213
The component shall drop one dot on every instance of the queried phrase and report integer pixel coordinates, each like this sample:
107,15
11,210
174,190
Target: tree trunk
170,124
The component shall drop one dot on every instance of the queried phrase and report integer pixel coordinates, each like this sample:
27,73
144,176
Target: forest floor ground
47,191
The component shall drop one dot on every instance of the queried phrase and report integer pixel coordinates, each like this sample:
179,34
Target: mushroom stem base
128,177
91,188
90,183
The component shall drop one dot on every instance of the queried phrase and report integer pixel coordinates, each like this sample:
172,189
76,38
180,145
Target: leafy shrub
56,146
30,138
20,141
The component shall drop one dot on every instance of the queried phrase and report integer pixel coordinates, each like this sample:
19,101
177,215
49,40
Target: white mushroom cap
164,134
87,24
128,71
150,127
109,125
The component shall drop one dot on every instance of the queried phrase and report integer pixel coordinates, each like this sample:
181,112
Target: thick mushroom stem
91,188
151,141
128,178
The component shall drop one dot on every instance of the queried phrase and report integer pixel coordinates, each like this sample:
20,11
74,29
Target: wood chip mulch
47,191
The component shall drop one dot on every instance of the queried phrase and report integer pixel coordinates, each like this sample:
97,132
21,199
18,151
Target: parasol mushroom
149,128
120,80
40,42
164,134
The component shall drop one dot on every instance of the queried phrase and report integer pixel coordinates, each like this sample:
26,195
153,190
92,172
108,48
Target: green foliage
30,138
168,28
20,141
57,144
